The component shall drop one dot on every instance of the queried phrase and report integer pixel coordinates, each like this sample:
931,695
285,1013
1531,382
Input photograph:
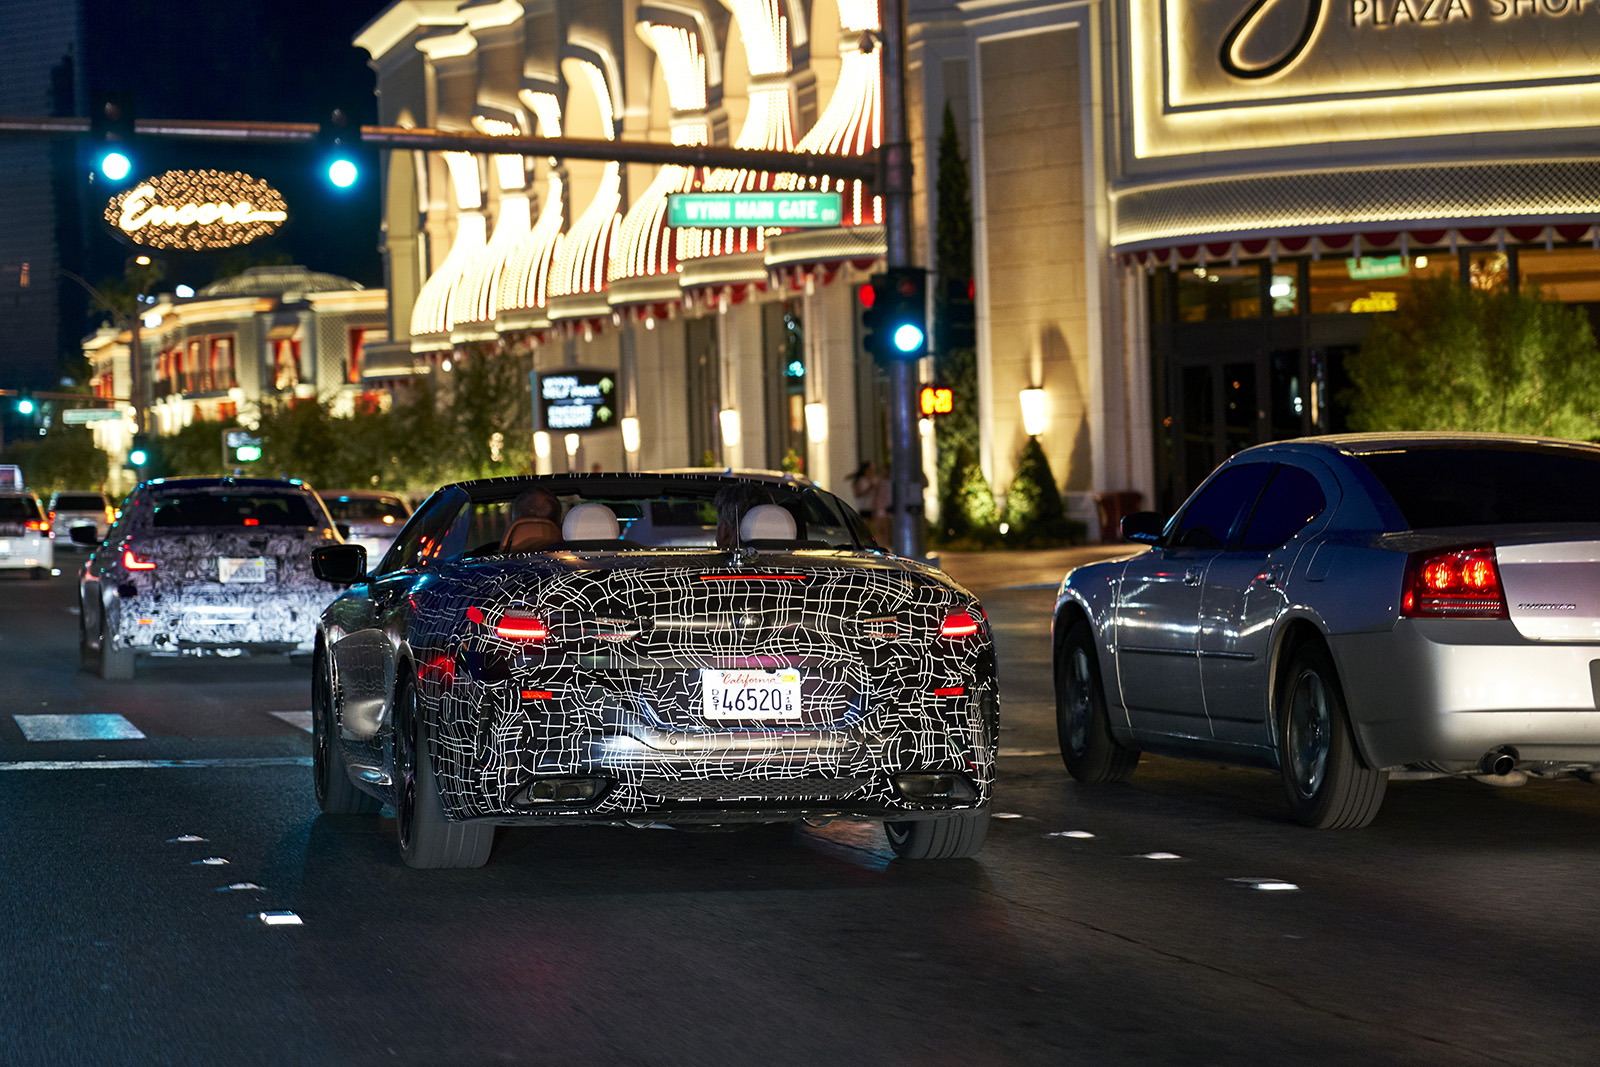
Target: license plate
751,694
242,570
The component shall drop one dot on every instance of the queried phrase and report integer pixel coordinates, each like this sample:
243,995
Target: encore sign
197,210
785,210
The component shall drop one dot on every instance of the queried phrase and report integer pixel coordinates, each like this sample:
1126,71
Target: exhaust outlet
1499,761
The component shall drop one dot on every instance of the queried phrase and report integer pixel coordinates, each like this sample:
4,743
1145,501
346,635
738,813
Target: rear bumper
1444,692
284,622
27,552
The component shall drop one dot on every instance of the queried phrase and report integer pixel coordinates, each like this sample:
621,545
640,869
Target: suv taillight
36,524
1457,583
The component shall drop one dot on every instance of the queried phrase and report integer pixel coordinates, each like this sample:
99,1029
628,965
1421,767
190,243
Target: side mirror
83,535
1143,526
343,528
340,564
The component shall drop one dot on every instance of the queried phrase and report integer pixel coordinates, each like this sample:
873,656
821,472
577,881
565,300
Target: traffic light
872,304
904,319
111,134
958,318
25,404
337,139
139,453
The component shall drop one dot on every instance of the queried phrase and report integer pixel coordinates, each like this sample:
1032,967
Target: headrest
767,522
527,534
589,522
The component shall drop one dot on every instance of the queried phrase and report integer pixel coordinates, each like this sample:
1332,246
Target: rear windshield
18,507
1478,486
234,509
365,509
80,502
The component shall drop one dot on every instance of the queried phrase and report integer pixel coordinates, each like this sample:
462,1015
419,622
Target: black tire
1327,784
116,664
87,658
1088,750
336,793
958,835
428,839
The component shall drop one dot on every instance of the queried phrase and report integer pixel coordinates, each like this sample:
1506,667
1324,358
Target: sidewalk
979,571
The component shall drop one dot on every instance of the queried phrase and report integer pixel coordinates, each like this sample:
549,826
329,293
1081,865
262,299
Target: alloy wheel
1310,732
1079,710
405,752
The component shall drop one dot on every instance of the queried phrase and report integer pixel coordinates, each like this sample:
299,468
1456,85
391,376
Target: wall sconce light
729,420
541,444
630,433
816,422
572,445
1035,411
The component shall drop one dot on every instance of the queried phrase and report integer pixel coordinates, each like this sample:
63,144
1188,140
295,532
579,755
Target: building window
285,363
194,370
1570,275
1208,294
224,371
1369,284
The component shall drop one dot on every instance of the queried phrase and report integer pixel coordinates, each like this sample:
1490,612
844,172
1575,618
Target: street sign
77,415
572,400
240,446
754,209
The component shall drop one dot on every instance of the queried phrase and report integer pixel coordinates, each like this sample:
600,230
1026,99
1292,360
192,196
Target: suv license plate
751,695
242,570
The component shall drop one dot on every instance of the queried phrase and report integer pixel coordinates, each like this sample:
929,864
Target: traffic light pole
905,449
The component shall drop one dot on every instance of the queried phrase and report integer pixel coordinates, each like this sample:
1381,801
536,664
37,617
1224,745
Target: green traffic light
25,406
115,165
138,457
343,173
908,337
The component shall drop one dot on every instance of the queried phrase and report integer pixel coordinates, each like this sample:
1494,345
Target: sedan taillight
958,624
37,525
521,628
132,562
1457,583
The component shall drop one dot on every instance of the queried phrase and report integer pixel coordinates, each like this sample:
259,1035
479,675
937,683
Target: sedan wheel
427,838
1327,785
336,793
958,835
1088,750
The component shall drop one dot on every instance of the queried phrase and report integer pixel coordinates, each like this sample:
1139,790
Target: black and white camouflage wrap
615,689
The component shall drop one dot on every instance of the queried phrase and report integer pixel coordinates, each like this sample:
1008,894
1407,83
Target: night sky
261,60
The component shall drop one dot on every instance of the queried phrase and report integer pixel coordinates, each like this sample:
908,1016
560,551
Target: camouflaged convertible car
680,649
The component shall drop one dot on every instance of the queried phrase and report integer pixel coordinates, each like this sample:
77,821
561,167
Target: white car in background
370,516
72,508
25,534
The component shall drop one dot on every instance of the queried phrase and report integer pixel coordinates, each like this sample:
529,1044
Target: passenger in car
732,501
535,521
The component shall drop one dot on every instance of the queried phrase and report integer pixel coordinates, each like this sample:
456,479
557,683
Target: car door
1244,597
1157,615
364,624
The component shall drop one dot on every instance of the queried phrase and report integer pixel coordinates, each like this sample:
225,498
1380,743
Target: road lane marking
300,720
154,764
1020,752
77,728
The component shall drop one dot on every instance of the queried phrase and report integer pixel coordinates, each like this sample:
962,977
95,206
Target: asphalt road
1458,929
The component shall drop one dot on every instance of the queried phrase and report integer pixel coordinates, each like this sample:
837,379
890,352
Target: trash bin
1111,507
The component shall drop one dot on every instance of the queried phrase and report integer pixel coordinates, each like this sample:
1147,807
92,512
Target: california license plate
242,570
761,695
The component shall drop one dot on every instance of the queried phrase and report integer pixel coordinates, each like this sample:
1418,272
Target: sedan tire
1089,751
958,835
427,838
116,664
1327,784
336,793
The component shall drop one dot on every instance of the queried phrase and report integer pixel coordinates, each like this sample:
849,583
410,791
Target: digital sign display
574,399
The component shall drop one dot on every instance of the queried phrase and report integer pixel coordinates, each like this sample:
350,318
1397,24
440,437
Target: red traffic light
866,294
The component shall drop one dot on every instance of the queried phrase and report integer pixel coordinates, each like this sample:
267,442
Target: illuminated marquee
197,210
1210,75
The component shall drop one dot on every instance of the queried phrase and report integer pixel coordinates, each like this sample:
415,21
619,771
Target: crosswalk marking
300,720
77,728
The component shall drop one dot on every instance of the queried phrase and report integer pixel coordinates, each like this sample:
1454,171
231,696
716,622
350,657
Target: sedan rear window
1487,486
365,509
80,502
19,507
234,509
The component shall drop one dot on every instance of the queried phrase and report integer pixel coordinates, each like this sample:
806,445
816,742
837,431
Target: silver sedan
1345,610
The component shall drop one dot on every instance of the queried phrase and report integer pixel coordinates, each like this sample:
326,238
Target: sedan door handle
1192,576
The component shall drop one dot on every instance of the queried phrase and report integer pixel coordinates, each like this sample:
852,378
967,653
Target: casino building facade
1186,213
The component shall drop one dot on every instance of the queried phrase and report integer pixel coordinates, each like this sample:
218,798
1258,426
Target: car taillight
958,624
521,628
111,515
132,562
37,525
52,516
1457,583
